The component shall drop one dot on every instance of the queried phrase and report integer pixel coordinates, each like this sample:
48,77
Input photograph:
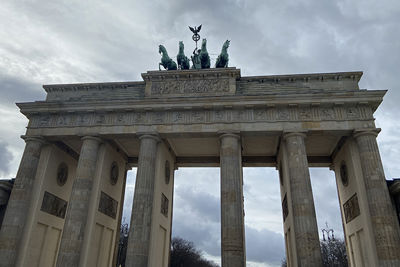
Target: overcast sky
45,42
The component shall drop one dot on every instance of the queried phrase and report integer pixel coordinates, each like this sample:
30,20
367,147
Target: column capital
36,138
294,133
149,135
234,134
92,137
368,131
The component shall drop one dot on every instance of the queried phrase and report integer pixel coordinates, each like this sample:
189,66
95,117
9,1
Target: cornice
362,97
307,77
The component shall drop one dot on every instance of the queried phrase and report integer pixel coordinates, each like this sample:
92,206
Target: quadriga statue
183,61
166,61
204,57
223,58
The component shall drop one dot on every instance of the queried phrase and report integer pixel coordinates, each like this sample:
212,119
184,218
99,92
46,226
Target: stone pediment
189,83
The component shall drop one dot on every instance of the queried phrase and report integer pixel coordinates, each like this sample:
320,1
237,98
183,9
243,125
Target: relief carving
285,209
195,87
122,118
158,117
194,116
139,117
178,117
101,118
238,115
83,119
54,205
164,205
44,121
219,115
305,114
351,208
327,114
108,205
260,114
352,113
61,121
197,116
283,114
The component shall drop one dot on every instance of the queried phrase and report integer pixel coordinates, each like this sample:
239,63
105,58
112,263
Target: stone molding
289,113
90,137
154,136
234,134
36,138
369,131
294,133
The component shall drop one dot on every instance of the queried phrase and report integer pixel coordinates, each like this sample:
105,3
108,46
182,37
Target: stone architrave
304,219
19,202
233,252
383,218
140,228
77,212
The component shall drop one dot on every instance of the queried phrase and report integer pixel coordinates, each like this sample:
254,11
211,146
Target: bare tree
184,254
122,244
333,252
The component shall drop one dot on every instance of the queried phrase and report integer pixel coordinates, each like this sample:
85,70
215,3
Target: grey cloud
264,246
200,204
326,199
16,89
5,159
84,41
205,236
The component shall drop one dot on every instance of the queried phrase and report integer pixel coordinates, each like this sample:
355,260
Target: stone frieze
204,116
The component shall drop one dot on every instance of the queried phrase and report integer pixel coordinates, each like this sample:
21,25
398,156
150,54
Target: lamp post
329,233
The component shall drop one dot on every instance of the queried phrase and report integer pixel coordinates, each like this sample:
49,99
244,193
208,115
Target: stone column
78,206
233,251
304,219
142,208
19,202
383,217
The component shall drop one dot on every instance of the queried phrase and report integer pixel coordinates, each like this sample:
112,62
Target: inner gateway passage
66,205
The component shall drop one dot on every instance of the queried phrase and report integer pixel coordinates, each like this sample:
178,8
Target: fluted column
383,217
304,218
233,251
19,202
140,228
78,206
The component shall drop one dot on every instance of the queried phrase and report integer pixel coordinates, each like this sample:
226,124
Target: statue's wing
199,28
192,29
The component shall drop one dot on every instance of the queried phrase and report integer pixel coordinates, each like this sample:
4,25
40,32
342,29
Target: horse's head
161,49
227,43
204,44
181,46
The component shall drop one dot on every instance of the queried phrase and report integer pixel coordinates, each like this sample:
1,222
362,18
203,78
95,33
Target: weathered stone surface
233,251
190,109
140,229
19,202
302,202
75,222
187,83
383,217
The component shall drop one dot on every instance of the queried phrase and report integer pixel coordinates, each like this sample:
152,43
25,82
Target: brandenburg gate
66,205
